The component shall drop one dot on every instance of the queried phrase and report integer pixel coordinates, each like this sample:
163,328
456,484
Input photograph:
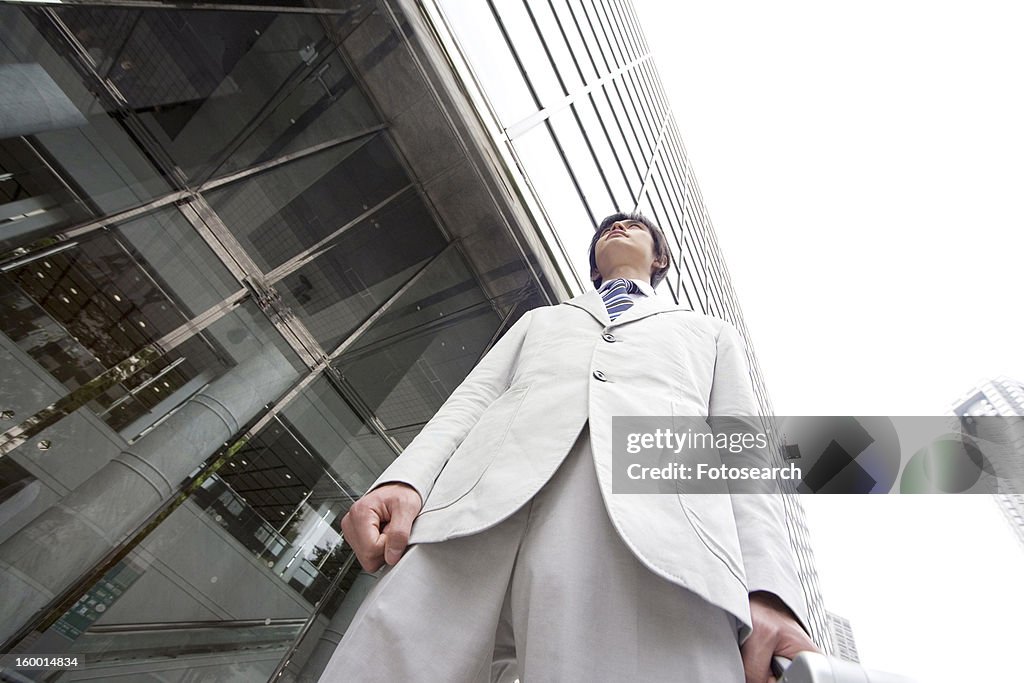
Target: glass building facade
1001,397
246,252
569,91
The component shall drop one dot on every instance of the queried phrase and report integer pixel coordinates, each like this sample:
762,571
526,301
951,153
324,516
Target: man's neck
628,272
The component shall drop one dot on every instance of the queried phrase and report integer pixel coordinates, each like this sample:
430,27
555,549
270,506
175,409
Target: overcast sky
862,165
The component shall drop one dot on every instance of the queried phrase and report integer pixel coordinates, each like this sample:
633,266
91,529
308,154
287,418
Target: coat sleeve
423,459
760,518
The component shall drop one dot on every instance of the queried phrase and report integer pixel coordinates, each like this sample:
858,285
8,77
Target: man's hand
775,632
377,525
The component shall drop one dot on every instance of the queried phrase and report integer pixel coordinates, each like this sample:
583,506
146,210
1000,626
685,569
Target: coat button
608,337
600,375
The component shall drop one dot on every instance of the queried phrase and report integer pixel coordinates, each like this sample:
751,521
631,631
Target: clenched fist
377,525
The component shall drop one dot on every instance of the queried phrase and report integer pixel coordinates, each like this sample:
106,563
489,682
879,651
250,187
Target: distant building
1001,398
845,646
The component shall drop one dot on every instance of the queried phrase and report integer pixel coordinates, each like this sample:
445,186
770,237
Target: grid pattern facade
842,637
1001,397
235,202
570,88
216,206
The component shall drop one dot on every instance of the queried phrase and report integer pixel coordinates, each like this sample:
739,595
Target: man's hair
660,244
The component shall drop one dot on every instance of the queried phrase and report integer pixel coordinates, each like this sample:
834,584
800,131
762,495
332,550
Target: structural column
51,552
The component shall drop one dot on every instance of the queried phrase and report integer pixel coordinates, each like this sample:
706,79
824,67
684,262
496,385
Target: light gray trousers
549,594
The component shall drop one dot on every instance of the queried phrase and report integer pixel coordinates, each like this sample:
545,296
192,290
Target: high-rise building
1001,397
247,251
842,638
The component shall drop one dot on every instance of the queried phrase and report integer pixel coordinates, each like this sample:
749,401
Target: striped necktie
616,296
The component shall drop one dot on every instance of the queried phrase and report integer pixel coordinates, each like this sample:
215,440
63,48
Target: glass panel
673,186
289,208
558,194
615,130
209,85
486,50
361,268
354,453
626,8
581,162
648,78
530,51
576,45
623,30
629,129
325,105
665,216
555,41
22,497
63,158
686,296
584,20
416,354
180,261
672,278
645,109
623,100
222,587
83,310
694,274
605,38
595,132
100,295
647,209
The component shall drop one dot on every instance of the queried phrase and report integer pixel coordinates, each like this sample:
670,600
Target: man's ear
595,274
659,263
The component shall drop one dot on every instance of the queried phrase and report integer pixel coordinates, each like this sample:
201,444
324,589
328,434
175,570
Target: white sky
863,165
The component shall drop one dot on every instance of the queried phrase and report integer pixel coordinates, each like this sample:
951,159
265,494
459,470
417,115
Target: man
505,552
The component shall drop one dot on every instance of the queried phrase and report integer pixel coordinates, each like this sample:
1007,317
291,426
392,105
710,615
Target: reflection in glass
222,587
289,208
216,87
355,454
64,159
361,268
415,355
20,494
84,310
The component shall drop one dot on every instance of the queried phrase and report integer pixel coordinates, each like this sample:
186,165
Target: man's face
624,242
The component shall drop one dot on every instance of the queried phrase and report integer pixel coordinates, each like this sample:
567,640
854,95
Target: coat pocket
710,515
474,455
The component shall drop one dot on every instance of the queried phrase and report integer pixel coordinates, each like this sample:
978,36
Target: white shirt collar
644,286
